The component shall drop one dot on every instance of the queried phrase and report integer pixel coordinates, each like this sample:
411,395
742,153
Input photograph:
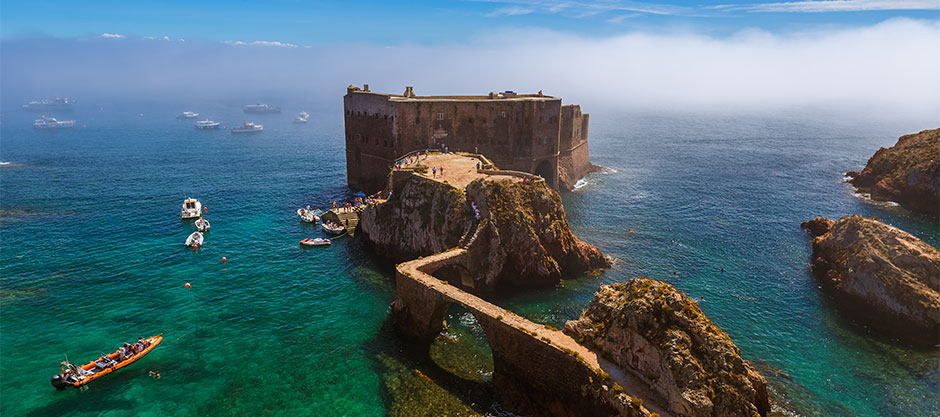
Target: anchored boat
333,228
192,208
308,215
207,124
248,127
76,376
195,239
202,225
316,242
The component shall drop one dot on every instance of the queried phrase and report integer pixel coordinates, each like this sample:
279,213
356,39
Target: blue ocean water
92,255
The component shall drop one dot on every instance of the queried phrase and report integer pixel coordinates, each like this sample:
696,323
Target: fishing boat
202,225
195,239
207,124
188,115
316,242
192,208
302,117
333,228
308,215
248,127
52,123
76,376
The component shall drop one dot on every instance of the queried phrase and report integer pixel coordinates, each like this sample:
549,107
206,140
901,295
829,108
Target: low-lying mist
888,68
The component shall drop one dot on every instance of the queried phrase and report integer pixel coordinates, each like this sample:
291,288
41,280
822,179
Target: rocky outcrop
659,334
522,238
886,278
907,173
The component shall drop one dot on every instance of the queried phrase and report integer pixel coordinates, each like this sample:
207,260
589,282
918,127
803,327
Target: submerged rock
883,276
907,173
521,240
658,333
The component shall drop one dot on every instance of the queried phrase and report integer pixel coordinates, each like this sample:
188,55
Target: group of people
129,350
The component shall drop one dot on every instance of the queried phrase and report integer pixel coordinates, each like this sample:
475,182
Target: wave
867,197
580,184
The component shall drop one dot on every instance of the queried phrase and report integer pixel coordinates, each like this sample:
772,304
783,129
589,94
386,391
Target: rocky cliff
907,173
886,278
521,239
658,333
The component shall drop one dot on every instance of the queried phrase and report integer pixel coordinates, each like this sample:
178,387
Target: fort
531,133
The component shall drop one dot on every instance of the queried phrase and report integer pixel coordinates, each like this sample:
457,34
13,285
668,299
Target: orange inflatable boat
77,376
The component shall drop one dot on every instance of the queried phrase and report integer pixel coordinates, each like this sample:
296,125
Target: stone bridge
536,369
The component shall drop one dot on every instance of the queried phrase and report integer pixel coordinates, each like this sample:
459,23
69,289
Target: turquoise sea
92,255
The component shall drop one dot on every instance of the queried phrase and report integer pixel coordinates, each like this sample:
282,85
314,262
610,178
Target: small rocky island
907,173
512,223
883,276
659,334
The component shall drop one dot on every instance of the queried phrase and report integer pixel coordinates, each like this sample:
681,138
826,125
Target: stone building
534,133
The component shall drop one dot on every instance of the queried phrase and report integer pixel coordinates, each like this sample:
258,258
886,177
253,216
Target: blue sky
431,22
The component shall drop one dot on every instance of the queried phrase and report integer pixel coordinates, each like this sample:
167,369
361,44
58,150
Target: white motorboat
188,115
333,228
248,127
52,123
308,215
316,242
202,225
261,108
302,117
207,124
195,239
192,208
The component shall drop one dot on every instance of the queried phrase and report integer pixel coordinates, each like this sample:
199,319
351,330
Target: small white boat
188,115
192,208
316,242
302,117
333,228
195,239
202,225
248,127
52,123
207,124
308,216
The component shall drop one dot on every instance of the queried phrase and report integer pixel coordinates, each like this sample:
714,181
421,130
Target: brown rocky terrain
660,335
522,239
907,173
883,276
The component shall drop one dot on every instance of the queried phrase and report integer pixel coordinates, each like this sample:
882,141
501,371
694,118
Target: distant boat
192,208
195,239
248,127
52,123
308,216
261,108
302,117
188,115
207,124
315,242
202,225
47,105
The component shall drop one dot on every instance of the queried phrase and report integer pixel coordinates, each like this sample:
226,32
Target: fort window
440,116
417,121
386,117
503,114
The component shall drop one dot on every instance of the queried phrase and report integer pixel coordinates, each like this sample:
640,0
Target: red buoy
195,246
631,232
223,259
187,285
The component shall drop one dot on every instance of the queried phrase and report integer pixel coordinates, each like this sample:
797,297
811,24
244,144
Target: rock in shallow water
883,276
660,334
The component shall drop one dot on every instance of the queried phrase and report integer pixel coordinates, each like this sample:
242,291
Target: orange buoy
195,246
631,232
223,259
187,285
205,209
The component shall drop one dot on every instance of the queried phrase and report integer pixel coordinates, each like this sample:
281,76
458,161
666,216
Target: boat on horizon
60,103
52,123
76,376
192,208
207,124
188,115
302,117
248,127
261,109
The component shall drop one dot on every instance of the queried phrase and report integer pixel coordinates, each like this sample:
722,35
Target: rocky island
660,335
513,225
907,173
883,276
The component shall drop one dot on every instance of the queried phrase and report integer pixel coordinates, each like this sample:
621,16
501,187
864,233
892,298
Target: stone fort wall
530,133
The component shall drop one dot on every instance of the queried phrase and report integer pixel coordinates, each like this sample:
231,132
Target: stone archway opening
544,169
463,349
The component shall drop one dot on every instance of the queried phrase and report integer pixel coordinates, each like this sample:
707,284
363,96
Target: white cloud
820,6
510,11
580,9
111,36
261,43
